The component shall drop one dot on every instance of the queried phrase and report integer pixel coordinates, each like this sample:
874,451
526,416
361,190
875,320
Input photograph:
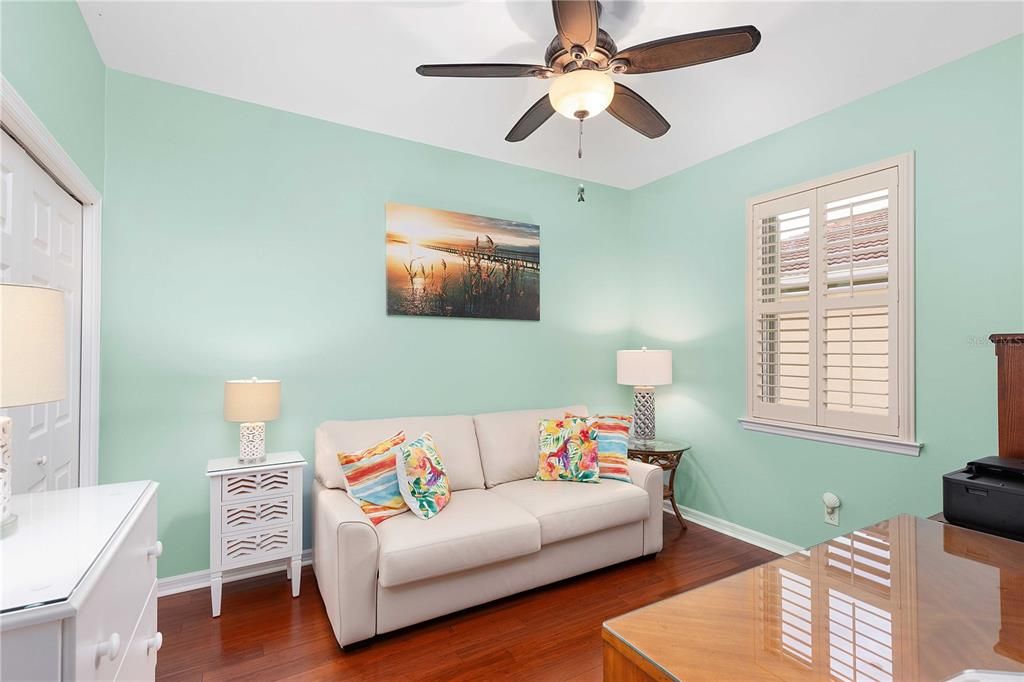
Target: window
830,328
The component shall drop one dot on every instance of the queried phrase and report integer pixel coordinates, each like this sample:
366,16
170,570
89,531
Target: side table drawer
251,548
237,516
256,484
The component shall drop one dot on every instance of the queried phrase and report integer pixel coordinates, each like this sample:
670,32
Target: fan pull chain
580,198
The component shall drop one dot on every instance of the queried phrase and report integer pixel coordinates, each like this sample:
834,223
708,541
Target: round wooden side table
666,454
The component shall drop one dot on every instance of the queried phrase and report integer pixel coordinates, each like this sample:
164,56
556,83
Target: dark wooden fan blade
482,70
637,113
689,49
531,120
576,22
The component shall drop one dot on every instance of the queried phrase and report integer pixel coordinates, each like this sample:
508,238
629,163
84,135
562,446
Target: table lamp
32,364
252,402
643,370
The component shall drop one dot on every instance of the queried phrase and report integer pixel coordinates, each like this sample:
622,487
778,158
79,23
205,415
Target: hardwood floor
551,633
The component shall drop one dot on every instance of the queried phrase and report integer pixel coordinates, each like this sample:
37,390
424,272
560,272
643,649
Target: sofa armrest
651,478
345,551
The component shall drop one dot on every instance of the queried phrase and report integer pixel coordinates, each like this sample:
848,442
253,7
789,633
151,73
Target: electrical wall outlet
832,504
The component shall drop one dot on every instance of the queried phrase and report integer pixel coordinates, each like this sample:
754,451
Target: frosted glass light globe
581,93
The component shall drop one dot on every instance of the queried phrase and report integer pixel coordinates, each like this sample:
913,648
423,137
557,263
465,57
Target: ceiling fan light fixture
582,93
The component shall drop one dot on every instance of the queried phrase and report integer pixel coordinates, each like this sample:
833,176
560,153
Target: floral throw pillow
422,477
372,481
568,451
612,444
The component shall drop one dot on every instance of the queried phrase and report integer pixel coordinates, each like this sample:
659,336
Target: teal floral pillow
422,479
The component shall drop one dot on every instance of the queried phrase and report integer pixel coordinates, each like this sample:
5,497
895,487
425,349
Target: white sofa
501,533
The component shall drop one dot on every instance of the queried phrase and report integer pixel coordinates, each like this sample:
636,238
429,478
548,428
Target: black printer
987,495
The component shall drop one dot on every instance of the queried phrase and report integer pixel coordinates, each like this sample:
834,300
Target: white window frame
903,442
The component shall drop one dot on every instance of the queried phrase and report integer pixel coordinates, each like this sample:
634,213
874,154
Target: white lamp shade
252,400
581,92
644,367
32,358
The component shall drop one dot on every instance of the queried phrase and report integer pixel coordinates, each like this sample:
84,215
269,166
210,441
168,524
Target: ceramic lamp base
643,413
252,449
6,517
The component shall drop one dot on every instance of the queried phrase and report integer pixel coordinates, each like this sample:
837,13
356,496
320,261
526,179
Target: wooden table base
670,495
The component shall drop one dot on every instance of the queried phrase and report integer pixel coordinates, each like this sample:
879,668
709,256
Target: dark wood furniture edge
1009,349
1006,338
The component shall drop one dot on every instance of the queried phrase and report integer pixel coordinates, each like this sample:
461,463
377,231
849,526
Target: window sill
835,436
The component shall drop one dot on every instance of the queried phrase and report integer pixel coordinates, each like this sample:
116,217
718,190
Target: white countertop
59,535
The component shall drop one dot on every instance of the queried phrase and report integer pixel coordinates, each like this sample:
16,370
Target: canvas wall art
447,264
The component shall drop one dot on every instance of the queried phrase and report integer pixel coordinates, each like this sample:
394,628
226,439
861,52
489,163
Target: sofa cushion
510,442
477,528
454,437
567,509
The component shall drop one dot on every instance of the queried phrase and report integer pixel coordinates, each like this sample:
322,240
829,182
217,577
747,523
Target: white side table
255,516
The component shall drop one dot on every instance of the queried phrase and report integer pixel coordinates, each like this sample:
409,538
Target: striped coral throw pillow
612,444
372,479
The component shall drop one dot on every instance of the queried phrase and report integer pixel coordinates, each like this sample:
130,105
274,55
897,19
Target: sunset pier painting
447,264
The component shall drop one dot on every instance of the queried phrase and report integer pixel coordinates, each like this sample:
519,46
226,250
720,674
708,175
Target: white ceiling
353,63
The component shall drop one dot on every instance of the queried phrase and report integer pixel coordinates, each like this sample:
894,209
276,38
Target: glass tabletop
59,535
658,445
904,599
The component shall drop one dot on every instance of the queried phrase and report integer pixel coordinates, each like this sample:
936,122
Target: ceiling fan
578,62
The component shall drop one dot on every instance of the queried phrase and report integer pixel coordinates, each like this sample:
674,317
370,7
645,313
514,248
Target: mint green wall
240,240
963,121
47,54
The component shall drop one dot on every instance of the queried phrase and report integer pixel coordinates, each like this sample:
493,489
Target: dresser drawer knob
109,648
155,643
41,461
156,550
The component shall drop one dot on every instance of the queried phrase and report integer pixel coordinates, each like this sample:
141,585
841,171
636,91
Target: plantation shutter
783,324
855,283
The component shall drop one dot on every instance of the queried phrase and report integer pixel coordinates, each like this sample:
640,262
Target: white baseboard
772,544
198,580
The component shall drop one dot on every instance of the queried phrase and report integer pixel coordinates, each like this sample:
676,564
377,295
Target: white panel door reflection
41,244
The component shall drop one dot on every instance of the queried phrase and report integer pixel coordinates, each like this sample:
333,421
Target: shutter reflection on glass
796,632
857,341
782,328
860,640
863,559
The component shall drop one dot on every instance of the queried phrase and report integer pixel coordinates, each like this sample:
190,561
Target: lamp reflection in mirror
252,402
643,370
33,364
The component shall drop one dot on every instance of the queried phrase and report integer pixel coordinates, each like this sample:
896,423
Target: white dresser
255,516
78,585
